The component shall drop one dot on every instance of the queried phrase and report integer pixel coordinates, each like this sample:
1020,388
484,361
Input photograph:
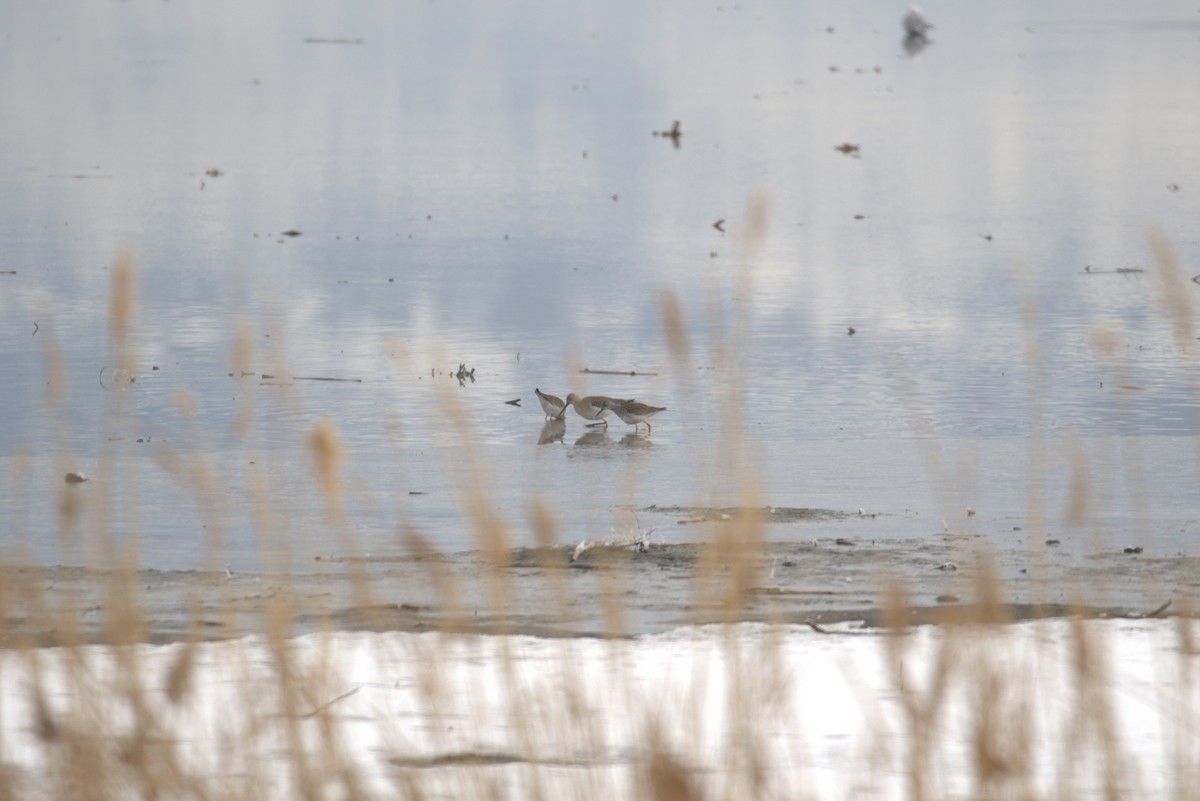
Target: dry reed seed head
754,231
1183,625
179,673
673,328
184,402
242,354
120,307
895,606
545,526
46,726
1175,290
56,370
991,608
1075,511
327,454
667,778
1106,342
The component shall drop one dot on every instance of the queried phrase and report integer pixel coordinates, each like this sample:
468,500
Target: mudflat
846,570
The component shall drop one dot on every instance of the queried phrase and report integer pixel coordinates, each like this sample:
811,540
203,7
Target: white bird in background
915,24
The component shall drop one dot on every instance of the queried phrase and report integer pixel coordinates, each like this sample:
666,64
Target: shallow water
481,186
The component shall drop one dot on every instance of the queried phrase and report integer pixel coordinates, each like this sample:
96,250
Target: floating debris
118,378
321,378
292,232
514,402
613,372
1118,271
947,566
848,148
1132,549
948,598
720,225
675,134
75,478
583,547
1053,542
213,172
1158,610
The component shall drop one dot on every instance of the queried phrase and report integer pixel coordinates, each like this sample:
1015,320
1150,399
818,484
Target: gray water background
478,183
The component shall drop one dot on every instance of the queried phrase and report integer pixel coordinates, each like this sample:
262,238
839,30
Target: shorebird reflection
633,440
594,439
602,439
916,32
553,431
914,45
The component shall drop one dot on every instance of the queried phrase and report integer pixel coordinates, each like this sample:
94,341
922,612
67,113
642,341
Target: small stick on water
1158,611
514,402
330,703
613,372
324,378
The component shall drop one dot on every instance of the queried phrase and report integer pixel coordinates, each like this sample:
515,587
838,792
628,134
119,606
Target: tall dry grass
104,726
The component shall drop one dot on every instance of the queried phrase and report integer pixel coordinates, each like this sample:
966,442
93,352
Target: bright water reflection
479,184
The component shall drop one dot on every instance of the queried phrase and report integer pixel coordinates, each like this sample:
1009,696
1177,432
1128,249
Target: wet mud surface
831,569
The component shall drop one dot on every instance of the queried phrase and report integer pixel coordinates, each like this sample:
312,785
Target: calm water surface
479,184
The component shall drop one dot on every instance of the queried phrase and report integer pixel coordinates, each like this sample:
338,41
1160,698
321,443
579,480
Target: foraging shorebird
633,413
554,408
915,24
593,407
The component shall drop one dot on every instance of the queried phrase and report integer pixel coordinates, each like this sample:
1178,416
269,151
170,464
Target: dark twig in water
324,378
514,402
613,372
1159,609
331,702
1119,271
